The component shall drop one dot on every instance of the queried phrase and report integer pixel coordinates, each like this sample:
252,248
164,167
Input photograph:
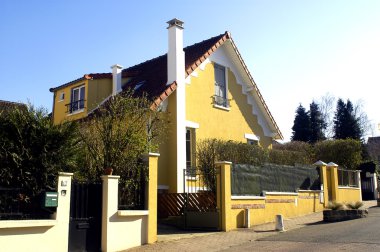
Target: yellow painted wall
167,174
218,123
349,194
98,90
306,202
60,109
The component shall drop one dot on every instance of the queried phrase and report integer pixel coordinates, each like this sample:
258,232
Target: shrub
333,205
355,205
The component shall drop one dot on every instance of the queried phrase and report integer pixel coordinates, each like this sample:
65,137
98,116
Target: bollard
279,223
247,218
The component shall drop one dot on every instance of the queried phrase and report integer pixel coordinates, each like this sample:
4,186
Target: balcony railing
75,106
221,101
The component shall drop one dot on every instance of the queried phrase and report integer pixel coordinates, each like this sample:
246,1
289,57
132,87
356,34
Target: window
77,100
347,178
252,142
61,96
190,151
220,97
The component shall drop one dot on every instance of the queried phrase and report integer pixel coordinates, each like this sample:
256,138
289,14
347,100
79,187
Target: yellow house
205,88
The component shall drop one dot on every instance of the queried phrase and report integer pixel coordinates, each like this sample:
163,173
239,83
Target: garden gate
85,216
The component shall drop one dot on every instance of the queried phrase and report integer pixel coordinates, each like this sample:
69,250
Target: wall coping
103,177
309,191
27,223
65,174
223,162
132,212
247,197
348,187
281,193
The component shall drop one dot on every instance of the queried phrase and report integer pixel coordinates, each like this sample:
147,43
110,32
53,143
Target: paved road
355,235
306,233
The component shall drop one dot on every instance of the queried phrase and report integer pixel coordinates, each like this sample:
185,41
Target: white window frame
227,107
78,110
252,139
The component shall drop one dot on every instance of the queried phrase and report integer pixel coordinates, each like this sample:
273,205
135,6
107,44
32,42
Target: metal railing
221,101
15,204
75,106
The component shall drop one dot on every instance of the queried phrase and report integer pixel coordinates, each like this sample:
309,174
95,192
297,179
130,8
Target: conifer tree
317,124
301,126
346,125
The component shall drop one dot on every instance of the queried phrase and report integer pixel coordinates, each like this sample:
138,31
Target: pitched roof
150,77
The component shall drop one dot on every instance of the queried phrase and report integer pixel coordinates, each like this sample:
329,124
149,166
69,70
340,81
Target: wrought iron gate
200,209
85,217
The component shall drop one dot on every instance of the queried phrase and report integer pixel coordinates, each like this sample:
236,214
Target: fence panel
253,180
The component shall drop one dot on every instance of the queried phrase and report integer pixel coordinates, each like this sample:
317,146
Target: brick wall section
248,206
279,200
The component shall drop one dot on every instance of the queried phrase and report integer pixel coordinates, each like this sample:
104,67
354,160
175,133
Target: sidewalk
218,241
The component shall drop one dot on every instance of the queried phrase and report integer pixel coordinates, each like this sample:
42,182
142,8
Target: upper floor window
77,99
220,97
61,96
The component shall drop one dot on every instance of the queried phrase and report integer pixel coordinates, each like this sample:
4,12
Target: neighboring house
373,147
8,105
206,89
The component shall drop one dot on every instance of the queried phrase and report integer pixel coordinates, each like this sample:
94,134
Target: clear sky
296,50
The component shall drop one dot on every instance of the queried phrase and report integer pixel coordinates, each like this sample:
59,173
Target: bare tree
327,106
365,124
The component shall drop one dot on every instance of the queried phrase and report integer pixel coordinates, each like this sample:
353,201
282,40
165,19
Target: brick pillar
223,193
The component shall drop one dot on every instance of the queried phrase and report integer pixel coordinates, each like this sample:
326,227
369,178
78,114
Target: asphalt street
355,235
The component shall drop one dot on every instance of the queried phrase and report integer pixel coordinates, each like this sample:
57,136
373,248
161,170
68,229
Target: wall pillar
324,196
375,192
223,193
109,208
62,214
151,197
334,180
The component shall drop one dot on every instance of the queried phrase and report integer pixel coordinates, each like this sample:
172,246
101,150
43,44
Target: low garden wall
41,235
264,209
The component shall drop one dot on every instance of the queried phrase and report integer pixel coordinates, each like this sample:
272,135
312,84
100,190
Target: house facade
205,89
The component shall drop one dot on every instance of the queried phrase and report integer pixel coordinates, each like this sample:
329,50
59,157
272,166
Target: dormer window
77,100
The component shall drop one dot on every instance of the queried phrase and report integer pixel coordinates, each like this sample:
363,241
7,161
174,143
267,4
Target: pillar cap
223,162
65,174
320,163
104,177
332,164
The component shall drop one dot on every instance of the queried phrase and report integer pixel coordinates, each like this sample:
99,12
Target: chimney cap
175,22
116,66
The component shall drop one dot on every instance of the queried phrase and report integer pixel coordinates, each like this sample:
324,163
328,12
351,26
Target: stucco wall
349,194
40,235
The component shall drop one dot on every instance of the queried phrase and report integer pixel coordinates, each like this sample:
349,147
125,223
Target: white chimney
176,72
176,56
116,78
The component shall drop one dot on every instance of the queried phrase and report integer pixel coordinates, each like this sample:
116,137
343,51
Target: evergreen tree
317,124
346,125
301,126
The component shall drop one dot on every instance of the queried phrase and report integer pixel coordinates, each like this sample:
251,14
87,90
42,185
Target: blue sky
296,50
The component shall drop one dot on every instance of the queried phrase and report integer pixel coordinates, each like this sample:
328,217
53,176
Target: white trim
222,107
247,197
192,125
153,154
348,187
132,213
27,223
163,187
76,112
191,178
251,137
281,193
226,56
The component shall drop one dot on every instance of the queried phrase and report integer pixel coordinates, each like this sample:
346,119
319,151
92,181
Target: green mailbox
51,199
